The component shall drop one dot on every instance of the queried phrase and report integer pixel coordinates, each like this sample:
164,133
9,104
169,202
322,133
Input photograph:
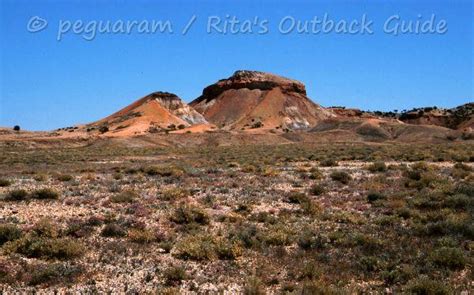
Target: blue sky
46,84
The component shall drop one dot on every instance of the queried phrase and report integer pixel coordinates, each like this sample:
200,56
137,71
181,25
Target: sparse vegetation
300,219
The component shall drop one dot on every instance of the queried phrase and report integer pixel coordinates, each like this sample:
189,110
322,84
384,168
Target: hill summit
158,111
252,99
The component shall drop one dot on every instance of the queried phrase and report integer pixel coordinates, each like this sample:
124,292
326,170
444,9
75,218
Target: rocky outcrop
258,100
252,80
461,117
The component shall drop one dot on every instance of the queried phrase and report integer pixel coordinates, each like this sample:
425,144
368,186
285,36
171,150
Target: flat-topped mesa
250,100
252,80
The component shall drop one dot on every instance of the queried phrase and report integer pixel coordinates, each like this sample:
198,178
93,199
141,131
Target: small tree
16,128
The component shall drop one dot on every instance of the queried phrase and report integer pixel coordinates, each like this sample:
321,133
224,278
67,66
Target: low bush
65,177
113,230
424,285
164,171
44,194
309,240
254,286
187,214
317,190
9,232
16,195
329,162
450,257
55,273
5,182
174,194
297,197
174,275
341,176
34,246
377,167
196,247
141,236
374,196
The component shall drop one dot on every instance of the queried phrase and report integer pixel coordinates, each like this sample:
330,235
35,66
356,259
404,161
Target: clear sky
47,84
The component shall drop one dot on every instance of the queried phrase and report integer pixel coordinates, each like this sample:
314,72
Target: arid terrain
252,188
295,218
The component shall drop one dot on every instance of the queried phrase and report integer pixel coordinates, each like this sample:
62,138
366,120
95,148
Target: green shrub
458,201
9,232
341,176
187,214
127,196
5,182
449,257
466,189
45,193
374,196
16,195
